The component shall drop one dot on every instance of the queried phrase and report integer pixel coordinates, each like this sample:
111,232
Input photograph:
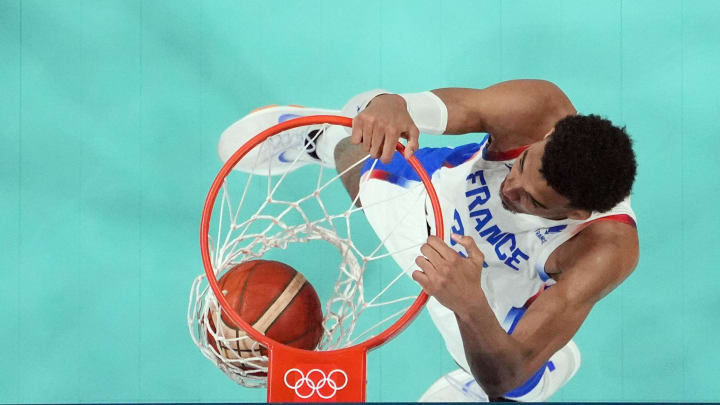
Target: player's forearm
496,360
440,111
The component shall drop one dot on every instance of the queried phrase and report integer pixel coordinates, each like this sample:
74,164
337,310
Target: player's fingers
422,279
357,130
388,149
431,254
445,251
470,246
426,266
376,143
380,135
368,131
412,143
357,136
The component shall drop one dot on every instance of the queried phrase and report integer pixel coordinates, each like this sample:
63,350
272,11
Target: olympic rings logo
316,382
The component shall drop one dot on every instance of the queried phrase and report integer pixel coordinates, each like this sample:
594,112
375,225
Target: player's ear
579,214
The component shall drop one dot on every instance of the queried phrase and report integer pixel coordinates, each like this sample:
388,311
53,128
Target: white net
305,218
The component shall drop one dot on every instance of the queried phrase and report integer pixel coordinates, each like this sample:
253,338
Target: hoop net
305,218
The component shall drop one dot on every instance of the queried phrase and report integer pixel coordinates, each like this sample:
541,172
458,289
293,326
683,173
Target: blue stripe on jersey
432,159
515,314
530,383
540,269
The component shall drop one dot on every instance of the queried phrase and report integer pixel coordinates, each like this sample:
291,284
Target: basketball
276,300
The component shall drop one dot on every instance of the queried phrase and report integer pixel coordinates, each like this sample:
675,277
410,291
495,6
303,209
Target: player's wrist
427,110
475,310
390,98
360,102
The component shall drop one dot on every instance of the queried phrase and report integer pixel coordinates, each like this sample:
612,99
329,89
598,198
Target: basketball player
538,213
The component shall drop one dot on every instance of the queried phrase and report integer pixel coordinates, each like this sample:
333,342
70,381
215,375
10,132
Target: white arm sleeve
426,109
428,112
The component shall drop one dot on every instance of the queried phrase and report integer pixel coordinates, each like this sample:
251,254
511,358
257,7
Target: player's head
585,164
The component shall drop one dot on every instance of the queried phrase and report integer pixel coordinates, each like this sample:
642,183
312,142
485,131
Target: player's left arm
592,265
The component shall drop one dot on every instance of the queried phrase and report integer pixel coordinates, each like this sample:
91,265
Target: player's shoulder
599,257
609,240
608,234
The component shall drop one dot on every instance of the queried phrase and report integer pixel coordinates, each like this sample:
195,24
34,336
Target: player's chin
508,206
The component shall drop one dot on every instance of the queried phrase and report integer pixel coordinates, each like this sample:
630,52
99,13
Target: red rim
373,342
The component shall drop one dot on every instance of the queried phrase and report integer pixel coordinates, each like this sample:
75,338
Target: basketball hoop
336,372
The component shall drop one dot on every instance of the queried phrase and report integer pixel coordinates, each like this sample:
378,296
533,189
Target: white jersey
516,246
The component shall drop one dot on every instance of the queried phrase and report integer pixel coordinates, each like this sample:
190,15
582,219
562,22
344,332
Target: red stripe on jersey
531,299
624,218
505,155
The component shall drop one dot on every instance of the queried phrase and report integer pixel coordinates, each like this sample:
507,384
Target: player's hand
379,126
452,279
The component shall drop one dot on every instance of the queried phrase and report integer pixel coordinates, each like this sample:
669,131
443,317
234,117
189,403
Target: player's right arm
515,113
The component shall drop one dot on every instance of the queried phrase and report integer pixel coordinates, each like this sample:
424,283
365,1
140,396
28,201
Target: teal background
109,118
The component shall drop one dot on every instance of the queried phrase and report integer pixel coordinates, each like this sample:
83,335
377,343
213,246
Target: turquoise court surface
109,121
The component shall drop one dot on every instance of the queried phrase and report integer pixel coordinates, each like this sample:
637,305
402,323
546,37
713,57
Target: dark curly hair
590,162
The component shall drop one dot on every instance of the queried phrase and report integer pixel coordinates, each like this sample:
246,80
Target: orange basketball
276,300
